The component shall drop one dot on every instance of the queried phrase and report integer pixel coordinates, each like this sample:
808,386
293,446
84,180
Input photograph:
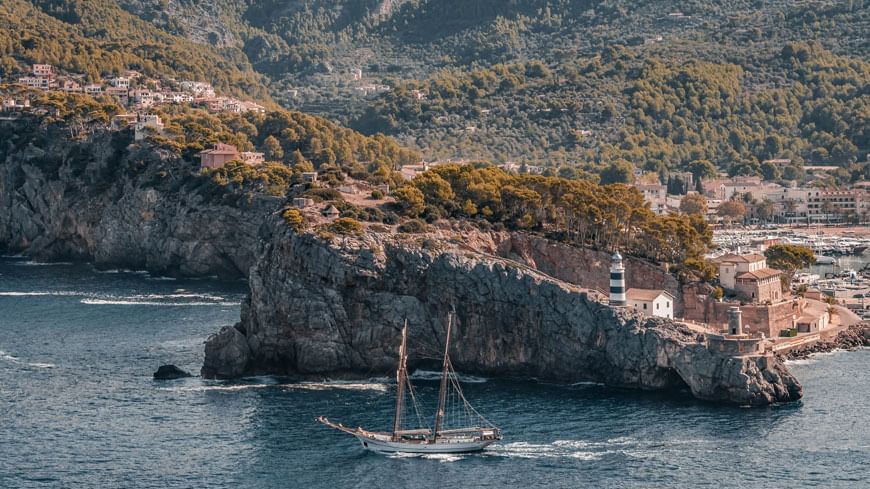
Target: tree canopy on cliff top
607,217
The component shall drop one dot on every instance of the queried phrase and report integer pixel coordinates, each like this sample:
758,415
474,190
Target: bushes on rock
413,226
294,219
346,225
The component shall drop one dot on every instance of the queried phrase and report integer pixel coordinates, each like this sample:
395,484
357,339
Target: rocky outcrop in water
326,309
170,372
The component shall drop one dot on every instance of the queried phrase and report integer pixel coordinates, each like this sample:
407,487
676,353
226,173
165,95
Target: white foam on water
403,455
17,361
430,375
30,263
137,302
443,457
42,293
576,449
295,386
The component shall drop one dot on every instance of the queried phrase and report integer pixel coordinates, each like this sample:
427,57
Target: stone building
748,277
218,156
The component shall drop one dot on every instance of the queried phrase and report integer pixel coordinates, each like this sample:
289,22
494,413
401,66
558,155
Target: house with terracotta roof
218,156
221,154
651,302
749,277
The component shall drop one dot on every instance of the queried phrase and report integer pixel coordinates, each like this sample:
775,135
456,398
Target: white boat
473,433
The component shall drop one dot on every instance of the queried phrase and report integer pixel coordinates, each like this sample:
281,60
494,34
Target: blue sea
79,409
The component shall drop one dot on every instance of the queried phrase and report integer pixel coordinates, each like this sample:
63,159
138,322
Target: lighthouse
617,281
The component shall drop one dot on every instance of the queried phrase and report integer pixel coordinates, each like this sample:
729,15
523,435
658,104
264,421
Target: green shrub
346,225
377,194
294,219
413,226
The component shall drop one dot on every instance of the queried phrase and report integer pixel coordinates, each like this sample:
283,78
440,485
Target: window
657,306
644,306
667,303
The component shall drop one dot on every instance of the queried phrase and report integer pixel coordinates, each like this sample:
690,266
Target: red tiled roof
732,258
760,274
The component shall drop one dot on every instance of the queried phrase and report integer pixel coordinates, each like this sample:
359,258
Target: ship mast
442,394
401,376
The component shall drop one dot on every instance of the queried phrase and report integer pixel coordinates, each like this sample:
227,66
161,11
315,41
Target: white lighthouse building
617,281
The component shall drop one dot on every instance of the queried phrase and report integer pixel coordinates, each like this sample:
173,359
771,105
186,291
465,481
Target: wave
311,386
575,449
31,263
430,375
13,359
137,302
42,293
441,457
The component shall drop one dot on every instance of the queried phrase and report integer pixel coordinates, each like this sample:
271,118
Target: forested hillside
98,38
576,86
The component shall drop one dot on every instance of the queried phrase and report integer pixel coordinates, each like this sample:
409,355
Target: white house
651,302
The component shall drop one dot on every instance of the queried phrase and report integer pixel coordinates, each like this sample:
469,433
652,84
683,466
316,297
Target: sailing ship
458,427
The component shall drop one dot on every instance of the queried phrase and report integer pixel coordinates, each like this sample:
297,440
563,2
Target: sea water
79,409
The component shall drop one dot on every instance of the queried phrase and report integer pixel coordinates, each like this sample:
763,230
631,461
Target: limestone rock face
318,308
226,354
56,204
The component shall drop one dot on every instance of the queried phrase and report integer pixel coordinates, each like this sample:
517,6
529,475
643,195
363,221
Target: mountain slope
98,38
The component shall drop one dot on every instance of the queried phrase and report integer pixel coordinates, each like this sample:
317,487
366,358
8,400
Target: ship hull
446,446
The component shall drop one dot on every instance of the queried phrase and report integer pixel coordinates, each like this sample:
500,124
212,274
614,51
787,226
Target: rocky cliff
118,205
319,308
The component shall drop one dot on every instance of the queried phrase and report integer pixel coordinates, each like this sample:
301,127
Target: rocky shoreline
855,337
331,308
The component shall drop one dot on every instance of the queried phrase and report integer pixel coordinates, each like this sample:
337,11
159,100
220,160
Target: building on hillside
93,89
252,158
37,82
119,82
656,195
147,125
725,188
122,94
142,98
68,85
197,89
123,121
748,277
651,302
218,156
221,154
309,176
302,202
42,70
330,211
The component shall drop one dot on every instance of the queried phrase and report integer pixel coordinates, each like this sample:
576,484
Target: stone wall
584,267
757,318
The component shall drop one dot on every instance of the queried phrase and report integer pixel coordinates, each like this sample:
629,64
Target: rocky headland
322,306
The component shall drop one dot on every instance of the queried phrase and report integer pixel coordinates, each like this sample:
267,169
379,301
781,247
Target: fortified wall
757,318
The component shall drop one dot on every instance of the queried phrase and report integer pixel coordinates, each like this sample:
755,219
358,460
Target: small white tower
617,281
735,321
